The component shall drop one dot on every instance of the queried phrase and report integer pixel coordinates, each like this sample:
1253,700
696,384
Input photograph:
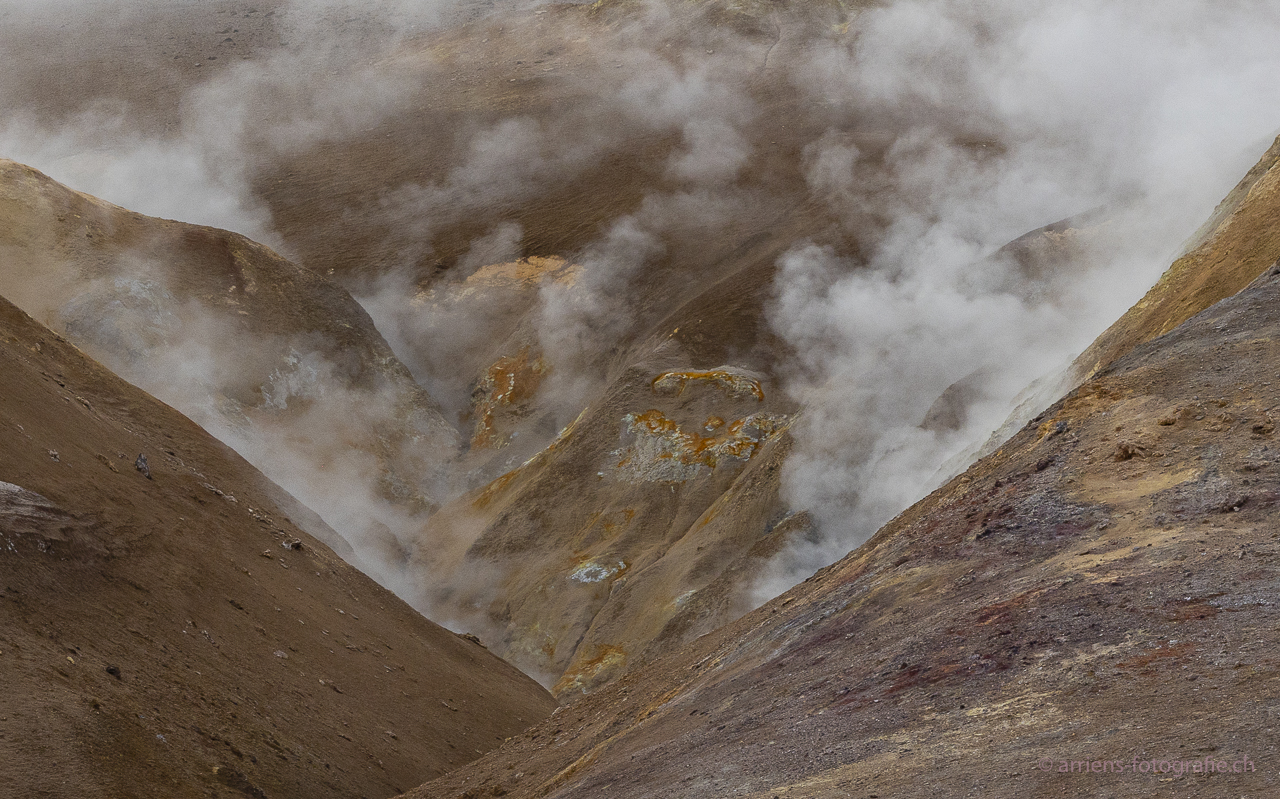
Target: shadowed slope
166,630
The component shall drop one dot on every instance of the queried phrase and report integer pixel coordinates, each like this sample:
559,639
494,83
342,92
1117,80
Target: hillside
660,306
1102,588
1238,243
276,361
773,383
167,628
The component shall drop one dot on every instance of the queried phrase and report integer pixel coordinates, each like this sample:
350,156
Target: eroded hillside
170,630
1102,588
581,230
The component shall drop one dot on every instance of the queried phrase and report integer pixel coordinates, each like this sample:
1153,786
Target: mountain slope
166,629
1236,245
585,229
275,360
1102,588
587,549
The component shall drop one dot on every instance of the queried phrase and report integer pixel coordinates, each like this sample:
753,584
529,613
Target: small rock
1126,450
53,453
114,671
291,543
141,465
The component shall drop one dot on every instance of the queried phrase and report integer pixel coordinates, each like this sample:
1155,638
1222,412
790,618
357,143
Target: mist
1012,116
920,137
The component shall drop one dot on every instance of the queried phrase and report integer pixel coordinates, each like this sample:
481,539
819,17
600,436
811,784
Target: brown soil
1099,588
603,540
698,306
178,634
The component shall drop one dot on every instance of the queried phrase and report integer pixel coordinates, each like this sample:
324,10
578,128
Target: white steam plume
939,131
326,78
1008,116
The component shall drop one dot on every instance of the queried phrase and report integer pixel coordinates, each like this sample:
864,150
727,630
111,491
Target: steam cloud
1009,116
934,132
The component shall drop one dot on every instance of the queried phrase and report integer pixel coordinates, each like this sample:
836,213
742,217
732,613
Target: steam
925,138
364,451
1010,115
361,446
576,320
632,91
324,77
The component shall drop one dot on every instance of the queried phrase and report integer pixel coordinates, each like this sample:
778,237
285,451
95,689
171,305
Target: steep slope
1102,590
667,481
167,630
1237,244
283,365
568,220
603,520
560,119
652,517
273,359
